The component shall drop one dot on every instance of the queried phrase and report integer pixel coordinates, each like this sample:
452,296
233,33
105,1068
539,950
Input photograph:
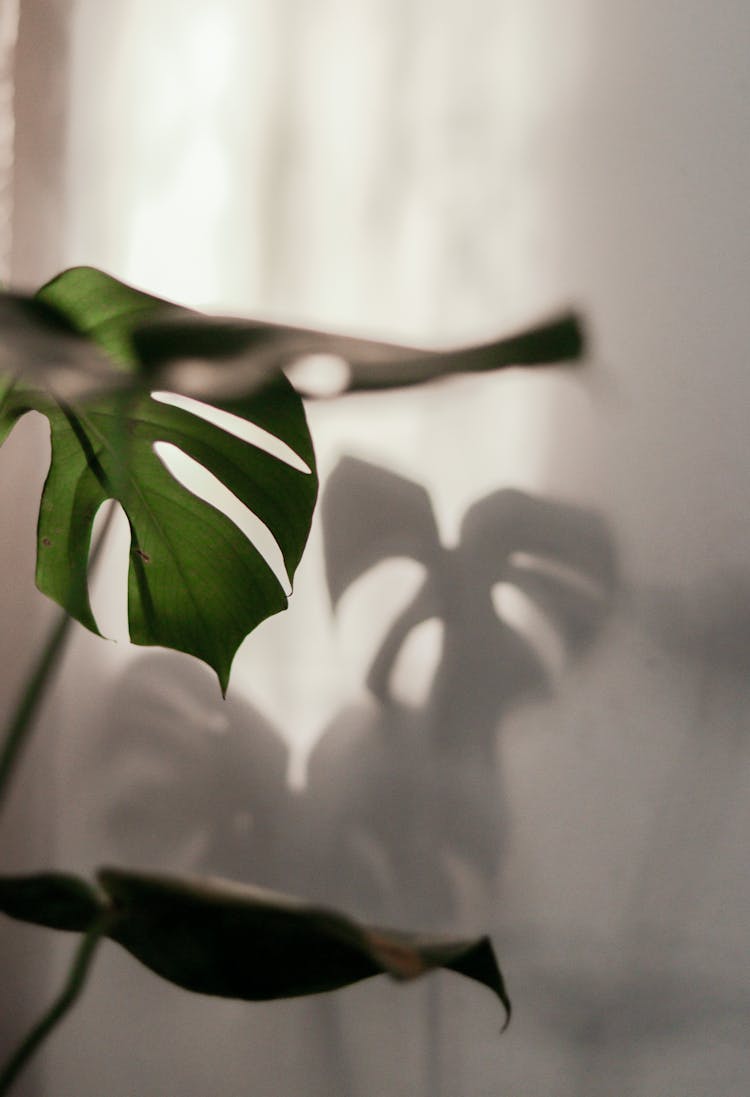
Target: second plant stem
37,684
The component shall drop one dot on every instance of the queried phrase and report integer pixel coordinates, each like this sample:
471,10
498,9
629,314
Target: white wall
442,174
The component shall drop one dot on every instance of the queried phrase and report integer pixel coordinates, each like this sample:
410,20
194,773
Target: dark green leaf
54,899
196,584
232,940
235,941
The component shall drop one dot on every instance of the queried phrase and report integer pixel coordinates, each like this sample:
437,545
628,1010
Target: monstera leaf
196,583
86,350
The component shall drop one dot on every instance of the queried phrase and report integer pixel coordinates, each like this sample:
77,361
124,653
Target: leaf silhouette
415,791
57,900
178,777
55,340
232,940
251,349
560,556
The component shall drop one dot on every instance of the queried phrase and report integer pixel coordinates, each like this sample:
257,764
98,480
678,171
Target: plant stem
37,684
32,696
76,980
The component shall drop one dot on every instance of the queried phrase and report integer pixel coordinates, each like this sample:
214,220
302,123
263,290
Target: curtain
521,707
33,108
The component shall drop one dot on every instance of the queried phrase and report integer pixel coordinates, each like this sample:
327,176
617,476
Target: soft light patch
555,569
518,611
108,574
414,672
322,375
368,610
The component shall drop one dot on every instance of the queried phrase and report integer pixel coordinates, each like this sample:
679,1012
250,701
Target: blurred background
523,706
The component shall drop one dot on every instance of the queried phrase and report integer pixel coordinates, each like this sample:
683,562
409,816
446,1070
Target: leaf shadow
709,624
417,793
192,781
403,817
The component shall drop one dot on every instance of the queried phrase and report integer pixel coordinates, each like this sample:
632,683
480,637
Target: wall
571,774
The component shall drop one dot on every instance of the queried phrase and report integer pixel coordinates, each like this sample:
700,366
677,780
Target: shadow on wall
660,1003
402,817
709,626
418,789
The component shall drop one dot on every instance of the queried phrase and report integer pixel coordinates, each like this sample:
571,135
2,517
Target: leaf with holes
84,350
196,583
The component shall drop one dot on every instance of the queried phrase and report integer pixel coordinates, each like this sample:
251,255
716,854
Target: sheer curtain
33,105
522,709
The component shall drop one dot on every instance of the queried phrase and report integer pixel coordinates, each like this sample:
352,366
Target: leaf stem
76,980
6,395
37,684
33,694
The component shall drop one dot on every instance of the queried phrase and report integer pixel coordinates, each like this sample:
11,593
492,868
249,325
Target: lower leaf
232,940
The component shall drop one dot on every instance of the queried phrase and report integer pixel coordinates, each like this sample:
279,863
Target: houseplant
89,353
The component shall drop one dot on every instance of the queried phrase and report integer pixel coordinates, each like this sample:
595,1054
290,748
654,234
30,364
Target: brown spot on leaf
400,960
143,555
46,541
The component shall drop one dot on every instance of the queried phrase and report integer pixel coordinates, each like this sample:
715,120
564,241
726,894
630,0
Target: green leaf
232,940
235,941
249,350
54,899
195,583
